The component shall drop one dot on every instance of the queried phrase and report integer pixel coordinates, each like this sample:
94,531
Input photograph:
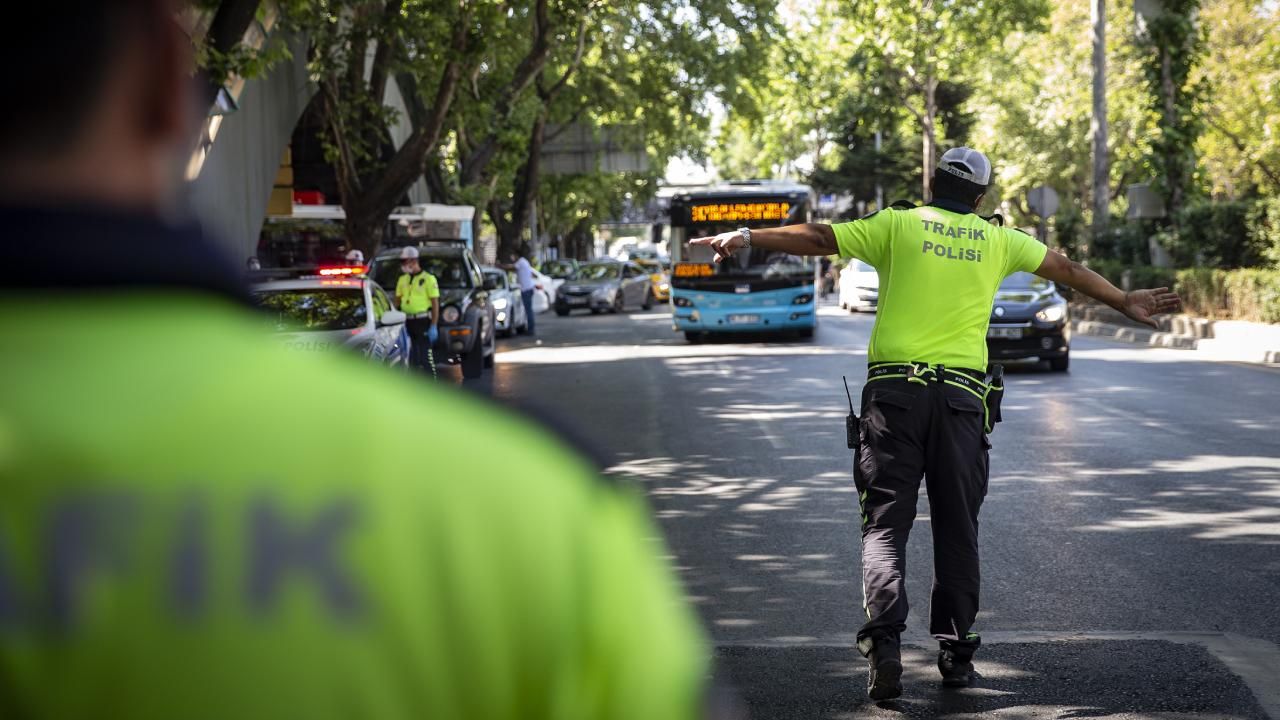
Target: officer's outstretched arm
1139,305
807,239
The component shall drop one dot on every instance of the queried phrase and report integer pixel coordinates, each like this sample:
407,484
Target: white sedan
859,287
541,298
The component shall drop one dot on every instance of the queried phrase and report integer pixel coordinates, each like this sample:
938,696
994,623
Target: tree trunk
511,230
929,125
364,229
226,30
1101,159
368,204
1173,157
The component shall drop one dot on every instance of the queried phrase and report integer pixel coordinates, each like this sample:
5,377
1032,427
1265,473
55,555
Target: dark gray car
468,322
601,286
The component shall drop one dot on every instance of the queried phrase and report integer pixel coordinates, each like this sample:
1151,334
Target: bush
1140,276
1215,234
1263,225
1225,235
1248,294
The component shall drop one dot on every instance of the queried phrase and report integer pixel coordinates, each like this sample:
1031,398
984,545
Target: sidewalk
1217,340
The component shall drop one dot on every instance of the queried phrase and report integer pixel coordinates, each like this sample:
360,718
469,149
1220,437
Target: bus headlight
450,314
681,301
802,300
1052,313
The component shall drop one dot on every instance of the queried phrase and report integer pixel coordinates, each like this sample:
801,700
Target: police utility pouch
850,420
991,401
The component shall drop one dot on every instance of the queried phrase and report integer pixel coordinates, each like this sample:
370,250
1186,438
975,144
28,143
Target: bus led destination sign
694,270
740,212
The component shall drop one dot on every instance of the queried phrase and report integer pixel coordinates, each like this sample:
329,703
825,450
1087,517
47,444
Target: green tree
647,70
357,46
1240,145
912,46
1174,43
1033,108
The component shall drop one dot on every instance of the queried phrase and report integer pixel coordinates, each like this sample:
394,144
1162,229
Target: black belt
966,378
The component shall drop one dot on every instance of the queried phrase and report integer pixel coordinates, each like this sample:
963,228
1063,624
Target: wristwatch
746,236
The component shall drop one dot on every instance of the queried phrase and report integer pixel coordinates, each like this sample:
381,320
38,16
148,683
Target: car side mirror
392,317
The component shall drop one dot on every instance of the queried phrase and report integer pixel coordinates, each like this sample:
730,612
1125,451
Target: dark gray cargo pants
909,430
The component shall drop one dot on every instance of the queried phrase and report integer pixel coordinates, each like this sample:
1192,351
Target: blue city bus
756,291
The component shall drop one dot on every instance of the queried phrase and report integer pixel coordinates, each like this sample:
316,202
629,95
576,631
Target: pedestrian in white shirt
528,284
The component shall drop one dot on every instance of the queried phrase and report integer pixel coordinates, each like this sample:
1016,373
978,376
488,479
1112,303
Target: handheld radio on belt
850,420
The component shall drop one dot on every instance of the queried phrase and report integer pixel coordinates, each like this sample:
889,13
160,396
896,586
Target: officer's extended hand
725,244
1140,305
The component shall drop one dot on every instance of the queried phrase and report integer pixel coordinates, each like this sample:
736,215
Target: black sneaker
956,669
885,659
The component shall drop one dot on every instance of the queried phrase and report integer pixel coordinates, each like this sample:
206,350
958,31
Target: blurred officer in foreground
928,403
418,296
197,523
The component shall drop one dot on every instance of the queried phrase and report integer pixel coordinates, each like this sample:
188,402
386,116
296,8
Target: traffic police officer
196,522
418,296
927,405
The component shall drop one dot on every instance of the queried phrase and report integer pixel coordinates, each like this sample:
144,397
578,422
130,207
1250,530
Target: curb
1230,341
1138,336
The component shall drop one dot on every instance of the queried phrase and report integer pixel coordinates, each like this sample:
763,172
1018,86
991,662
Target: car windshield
599,272
449,270
1025,281
310,310
559,269
497,278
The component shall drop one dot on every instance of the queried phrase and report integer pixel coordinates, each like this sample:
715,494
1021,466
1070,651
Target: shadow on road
1081,679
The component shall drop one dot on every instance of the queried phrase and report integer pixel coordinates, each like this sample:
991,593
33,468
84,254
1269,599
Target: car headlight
1052,313
450,314
601,293
500,304
664,286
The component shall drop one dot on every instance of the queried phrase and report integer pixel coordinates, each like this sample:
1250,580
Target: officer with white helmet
928,404
418,296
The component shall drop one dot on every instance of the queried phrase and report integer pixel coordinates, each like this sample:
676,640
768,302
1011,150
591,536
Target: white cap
409,253
967,163
355,256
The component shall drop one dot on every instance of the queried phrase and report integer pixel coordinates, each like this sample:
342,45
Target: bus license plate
1004,333
743,319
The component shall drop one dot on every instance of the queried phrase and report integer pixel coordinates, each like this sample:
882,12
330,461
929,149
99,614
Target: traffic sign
1043,201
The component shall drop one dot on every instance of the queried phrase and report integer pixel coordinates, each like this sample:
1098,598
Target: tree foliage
487,84
1173,43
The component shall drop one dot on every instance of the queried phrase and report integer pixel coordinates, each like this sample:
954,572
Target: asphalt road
1134,506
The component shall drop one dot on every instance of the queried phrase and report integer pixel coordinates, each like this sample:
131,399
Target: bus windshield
753,262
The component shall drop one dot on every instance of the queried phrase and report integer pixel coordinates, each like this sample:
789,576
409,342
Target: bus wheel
693,336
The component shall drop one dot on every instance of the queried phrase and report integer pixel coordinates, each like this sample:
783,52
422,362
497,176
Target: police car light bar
340,271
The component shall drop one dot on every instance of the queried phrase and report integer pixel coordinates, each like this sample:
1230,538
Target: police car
330,308
468,321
